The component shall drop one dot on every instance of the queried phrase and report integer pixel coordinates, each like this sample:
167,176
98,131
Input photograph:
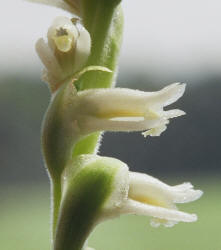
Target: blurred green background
25,224
164,42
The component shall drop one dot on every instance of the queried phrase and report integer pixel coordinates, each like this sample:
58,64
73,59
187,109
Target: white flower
66,52
130,192
141,194
95,189
121,109
74,115
149,196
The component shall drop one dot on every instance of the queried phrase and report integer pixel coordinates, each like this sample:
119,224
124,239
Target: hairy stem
104,21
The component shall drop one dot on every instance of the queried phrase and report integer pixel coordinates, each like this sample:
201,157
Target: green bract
88,184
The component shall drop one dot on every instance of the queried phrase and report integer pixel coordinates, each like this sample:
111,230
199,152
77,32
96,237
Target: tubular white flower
141,194
149,196
96,188
121,109
66,52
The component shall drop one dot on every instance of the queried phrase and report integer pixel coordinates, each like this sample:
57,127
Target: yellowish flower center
63,40
149,200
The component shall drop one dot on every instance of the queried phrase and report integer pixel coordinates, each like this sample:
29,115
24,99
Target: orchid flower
73,115
136,193
96,188
121,109
149,196
66,52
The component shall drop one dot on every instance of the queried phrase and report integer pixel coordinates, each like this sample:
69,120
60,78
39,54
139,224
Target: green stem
104,21
56,199
82,203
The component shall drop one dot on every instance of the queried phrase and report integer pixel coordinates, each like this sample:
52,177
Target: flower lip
161,213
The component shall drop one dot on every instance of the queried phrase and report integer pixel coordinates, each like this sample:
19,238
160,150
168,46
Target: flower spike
87,188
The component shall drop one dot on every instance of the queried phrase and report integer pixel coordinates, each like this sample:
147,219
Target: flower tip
157,131
156,222
173,92
181,112
181,87
185,193
191,218
174,113
197,194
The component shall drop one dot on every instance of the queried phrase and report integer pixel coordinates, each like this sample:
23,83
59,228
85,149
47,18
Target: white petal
143,184
184,186
181,195
135,207
173,113
119,101
157,131
148,187
48,59
83,48
89,124
168,95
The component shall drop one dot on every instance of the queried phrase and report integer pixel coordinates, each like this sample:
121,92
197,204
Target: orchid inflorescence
88,188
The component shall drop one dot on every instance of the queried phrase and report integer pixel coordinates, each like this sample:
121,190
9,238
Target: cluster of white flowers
116,109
